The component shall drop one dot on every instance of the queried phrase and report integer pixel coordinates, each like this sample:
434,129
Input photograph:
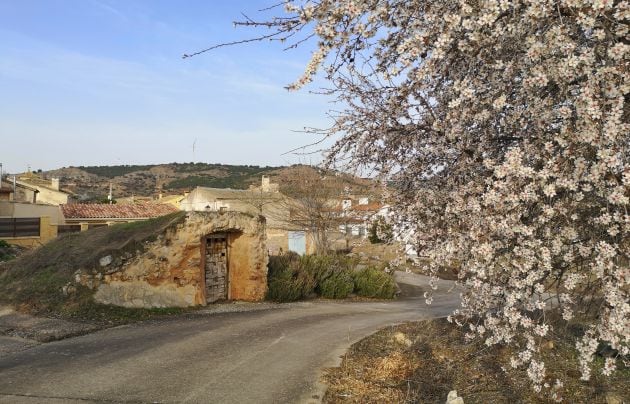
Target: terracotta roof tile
104,211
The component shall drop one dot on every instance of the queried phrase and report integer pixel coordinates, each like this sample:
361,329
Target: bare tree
313,203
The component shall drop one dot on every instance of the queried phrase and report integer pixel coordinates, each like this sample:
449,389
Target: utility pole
1,175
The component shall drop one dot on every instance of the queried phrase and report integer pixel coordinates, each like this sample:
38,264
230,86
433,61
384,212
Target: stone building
206,257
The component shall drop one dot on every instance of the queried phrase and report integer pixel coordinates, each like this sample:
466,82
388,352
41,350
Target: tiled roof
104,211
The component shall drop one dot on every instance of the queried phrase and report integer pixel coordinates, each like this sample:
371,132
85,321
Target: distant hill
92,182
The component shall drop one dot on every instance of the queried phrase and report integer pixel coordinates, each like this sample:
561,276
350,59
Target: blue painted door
297,242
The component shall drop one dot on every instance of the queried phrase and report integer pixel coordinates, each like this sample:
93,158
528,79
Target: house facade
356,213
30,188
267,201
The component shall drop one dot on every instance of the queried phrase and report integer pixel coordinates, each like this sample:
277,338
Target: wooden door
216,268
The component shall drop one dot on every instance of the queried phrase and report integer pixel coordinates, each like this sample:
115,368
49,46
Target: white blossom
503,127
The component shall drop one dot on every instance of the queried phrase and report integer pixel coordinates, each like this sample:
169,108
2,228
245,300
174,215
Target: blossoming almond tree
504,124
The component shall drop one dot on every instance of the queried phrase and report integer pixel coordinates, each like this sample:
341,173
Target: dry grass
431,358
33,282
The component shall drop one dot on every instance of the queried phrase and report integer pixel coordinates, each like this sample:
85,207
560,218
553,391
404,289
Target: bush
380,232
6,251
337,286
287,281
289,285
280,263
291,277
372,282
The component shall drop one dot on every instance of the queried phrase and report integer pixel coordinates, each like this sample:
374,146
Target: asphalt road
264,356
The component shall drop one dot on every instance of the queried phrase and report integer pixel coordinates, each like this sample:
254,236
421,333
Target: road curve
264,356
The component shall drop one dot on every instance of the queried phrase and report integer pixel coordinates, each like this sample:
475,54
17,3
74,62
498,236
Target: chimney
265,183
55,183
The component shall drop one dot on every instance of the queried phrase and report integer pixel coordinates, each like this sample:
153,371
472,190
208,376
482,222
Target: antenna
194,144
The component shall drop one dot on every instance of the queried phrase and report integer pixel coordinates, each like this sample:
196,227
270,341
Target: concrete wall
277,241
310,244
22,209
169,274
51,196
24,195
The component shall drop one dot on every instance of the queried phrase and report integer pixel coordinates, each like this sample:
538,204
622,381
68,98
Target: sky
102,82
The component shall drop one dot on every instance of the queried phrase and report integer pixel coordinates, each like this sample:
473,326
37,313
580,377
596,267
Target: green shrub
286,281
319,267
372,282
380,232
6,252
337,286
280,263
291,277
289,286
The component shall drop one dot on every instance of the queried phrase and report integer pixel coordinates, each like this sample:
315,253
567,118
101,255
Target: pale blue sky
94,82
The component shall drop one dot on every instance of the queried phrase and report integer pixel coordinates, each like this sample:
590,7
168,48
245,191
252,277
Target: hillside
92,183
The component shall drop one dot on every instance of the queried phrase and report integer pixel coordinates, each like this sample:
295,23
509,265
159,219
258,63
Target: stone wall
168,273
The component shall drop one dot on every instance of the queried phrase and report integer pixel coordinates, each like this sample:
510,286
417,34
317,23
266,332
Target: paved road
264,356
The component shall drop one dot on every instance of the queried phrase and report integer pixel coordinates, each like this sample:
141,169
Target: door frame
204,242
